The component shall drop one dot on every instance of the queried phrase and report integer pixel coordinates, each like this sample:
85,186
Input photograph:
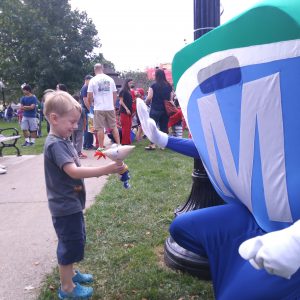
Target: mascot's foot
181,259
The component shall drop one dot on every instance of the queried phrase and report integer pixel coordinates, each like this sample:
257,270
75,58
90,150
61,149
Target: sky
136,34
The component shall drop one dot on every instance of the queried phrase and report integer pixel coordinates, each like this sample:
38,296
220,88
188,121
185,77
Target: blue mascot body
239,90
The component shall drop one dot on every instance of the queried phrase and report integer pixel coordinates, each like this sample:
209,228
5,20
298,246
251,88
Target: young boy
66,191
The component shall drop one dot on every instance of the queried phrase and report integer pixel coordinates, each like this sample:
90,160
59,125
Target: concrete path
27,238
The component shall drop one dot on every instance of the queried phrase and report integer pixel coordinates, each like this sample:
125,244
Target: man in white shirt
103,92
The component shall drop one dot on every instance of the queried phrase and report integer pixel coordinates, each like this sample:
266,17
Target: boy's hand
115,167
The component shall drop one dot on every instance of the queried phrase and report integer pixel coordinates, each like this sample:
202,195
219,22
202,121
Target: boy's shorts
30,124
70,231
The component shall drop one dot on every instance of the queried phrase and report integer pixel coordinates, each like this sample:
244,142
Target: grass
39,143
126,231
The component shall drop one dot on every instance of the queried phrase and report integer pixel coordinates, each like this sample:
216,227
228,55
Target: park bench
8,139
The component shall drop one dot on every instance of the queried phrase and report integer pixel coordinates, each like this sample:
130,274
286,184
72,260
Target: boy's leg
69,288
71,235
33,128
66,273
25,129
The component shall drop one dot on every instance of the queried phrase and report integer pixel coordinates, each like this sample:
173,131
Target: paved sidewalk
27,238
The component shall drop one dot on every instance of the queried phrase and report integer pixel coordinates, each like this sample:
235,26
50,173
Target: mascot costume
239,90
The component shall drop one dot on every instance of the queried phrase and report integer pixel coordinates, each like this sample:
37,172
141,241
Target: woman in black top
159,91
126,112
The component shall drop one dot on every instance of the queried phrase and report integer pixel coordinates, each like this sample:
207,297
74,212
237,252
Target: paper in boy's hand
117,152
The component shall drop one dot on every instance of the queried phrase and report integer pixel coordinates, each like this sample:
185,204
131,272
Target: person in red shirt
126,111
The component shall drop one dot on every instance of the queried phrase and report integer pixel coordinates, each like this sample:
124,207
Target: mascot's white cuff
149,127
163,140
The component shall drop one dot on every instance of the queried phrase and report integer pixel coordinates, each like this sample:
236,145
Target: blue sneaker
79,293
82,278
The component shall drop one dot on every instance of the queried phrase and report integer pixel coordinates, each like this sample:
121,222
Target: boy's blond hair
60,102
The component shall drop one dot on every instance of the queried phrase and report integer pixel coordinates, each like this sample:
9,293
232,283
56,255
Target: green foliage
44,42
126,230
140,78
99,58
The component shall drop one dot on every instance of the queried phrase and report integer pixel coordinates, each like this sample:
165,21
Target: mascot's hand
277,252
149,127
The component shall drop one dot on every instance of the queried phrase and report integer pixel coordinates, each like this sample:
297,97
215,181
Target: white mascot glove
149,127
277,252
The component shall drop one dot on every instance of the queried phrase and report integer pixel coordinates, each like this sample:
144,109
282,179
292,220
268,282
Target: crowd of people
106,111
7,113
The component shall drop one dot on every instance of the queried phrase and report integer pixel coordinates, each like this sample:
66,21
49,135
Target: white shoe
2,167
2,171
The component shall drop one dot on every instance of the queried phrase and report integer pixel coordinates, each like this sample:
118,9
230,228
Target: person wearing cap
87,136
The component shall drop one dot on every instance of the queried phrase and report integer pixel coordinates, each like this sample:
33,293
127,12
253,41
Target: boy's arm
28,107
86,172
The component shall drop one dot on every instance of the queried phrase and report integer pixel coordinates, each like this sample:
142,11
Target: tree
98,58
140,78
44,42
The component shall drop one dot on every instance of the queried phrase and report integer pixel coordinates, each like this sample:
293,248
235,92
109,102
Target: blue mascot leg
217,232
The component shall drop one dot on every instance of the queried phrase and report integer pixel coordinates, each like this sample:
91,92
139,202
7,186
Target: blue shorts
70,231
30,124
217,232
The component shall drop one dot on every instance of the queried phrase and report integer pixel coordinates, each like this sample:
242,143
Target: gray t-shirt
66,195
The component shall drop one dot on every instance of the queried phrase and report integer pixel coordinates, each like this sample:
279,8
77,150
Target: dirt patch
159,252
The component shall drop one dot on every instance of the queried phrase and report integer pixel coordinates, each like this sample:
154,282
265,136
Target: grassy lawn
39,144
126,231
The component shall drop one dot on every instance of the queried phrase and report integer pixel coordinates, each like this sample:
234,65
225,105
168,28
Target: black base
181,259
